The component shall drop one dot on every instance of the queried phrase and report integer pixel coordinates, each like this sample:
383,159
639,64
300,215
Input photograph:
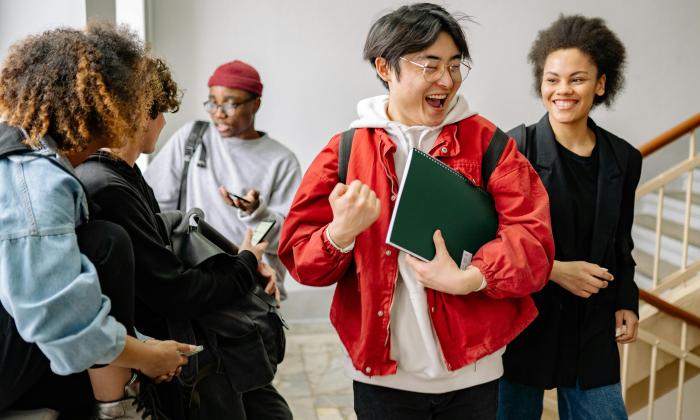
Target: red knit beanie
237,75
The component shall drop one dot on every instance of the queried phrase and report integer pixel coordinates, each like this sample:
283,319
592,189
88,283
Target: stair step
680,195
668,228
645,265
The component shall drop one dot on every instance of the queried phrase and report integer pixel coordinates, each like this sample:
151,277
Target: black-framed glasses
433,70
229,107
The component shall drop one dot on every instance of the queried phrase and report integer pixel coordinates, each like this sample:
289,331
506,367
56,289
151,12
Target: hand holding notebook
442,274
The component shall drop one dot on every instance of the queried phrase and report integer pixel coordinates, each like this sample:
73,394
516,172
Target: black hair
592,37
410,29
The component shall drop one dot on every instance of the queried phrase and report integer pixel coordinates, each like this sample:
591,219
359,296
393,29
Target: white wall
309,54
21,18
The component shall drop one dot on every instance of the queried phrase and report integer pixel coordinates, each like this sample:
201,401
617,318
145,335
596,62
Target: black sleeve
163,283
627,291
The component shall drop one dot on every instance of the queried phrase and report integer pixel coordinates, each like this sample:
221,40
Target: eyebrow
434,57
226,99
576,73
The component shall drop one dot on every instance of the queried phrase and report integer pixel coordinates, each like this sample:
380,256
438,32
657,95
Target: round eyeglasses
228,107
433,70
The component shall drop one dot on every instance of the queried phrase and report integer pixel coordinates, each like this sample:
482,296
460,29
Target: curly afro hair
78,86
167,96
593,38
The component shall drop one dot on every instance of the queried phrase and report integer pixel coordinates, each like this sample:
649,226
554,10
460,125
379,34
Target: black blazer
573,339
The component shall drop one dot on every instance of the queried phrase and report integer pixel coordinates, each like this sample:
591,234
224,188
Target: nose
564,88
219,112
446,79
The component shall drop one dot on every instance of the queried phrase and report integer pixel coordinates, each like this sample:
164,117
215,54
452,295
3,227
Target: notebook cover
434,196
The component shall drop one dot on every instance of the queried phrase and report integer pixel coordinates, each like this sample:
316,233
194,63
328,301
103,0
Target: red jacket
516,263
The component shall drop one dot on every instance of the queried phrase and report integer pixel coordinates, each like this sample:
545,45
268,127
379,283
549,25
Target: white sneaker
131,407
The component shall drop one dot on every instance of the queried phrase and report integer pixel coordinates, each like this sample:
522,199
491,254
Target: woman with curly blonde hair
66,284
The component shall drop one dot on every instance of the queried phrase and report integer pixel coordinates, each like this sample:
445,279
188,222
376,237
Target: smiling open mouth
564,104
436,101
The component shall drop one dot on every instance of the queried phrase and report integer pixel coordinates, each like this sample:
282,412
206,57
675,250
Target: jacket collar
608,196
11,140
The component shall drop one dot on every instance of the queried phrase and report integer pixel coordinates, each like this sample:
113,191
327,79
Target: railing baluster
681,371
657,252
688,204
625,370
652,380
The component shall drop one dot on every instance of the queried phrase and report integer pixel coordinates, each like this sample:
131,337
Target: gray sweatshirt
262,164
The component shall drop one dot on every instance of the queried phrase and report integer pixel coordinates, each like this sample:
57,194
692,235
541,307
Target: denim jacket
48,287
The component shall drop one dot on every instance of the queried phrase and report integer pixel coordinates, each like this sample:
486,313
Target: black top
581,177
165,288
572,340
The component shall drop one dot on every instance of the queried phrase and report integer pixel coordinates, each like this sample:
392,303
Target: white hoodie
414,345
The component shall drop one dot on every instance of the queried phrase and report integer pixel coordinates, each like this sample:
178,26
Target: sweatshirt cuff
344,250
258,213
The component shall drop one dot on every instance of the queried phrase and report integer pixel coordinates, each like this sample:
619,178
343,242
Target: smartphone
193,352
261,230
233,196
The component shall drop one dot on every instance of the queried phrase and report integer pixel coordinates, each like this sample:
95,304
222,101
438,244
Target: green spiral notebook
434,196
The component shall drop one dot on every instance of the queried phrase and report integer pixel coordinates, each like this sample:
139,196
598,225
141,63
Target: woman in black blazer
590,305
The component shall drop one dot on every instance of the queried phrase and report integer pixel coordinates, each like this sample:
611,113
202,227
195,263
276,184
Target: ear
256,104
383,70
600,86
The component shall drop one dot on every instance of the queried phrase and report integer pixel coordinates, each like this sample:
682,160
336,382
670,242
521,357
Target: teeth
564,103
437,96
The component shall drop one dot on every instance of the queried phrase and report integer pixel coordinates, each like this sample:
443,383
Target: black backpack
488,161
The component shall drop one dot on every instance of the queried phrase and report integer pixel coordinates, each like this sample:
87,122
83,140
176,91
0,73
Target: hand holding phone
233,196
261,230
196,350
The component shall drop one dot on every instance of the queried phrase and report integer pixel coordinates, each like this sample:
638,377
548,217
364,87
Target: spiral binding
454,171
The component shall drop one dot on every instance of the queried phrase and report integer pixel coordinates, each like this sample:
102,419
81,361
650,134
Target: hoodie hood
372,112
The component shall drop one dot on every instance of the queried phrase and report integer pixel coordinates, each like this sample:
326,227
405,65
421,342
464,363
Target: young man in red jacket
424,339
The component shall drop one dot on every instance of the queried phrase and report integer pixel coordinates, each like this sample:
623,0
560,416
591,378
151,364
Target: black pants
373,402
26,381
218,399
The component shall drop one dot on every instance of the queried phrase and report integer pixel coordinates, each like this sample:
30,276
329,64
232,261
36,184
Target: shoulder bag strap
344,154
194,140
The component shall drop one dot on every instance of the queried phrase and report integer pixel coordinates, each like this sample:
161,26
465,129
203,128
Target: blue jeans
522,402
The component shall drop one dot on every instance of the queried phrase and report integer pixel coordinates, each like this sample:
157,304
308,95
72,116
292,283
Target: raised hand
355,207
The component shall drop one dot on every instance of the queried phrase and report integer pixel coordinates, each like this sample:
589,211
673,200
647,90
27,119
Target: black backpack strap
193,140
344,151
519,133
493,155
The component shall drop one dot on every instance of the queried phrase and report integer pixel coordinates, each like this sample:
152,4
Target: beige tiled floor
311,376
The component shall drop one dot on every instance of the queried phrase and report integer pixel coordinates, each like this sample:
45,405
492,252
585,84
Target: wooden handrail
669,308
670,136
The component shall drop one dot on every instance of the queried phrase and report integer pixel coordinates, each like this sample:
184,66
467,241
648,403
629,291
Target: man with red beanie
230,156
